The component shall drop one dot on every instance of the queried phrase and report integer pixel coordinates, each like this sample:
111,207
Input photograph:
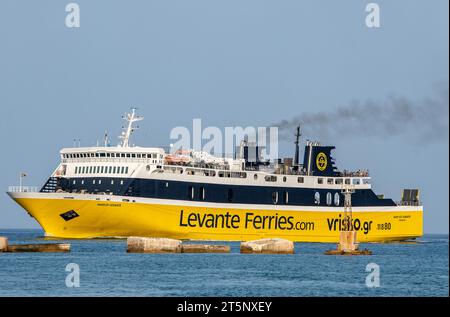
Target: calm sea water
419,269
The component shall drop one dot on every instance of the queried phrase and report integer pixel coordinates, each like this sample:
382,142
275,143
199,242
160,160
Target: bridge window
356,181
230,194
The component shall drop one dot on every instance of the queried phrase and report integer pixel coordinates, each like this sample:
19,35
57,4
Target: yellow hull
121,219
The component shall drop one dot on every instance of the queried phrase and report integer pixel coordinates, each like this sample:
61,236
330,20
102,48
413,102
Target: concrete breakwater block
48,247
204,248
3,244
268,246
153,245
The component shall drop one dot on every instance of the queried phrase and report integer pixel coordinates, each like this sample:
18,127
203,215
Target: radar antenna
131,118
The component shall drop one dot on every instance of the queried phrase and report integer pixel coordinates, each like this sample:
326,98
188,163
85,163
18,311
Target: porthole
201,193
191,192
275,197
329,199
284,179
230,194
286,197
336,199
255,177
317,198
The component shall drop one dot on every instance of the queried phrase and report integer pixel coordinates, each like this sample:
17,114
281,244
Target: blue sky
231,63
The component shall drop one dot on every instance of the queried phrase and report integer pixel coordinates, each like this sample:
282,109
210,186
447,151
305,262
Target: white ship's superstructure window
338,181
270,178
101,169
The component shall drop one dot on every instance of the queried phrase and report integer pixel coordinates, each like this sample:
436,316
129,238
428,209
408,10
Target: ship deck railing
23,189
409,203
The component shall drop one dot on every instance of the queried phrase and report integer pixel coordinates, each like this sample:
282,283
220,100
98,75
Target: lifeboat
179,157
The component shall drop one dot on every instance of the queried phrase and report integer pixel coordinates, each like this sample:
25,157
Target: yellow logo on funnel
321,161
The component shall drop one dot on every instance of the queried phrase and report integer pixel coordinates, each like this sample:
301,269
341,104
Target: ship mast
131,118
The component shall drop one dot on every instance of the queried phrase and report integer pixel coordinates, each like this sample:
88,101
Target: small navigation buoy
348,242
47,247
268,246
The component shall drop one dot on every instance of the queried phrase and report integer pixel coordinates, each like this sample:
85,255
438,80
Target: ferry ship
126,190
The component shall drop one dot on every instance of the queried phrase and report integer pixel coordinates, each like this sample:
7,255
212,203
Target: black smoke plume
421,120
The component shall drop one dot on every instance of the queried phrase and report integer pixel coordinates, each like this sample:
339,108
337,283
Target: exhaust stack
297,149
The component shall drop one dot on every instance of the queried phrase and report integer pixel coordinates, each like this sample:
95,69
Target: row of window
275,198
329,199
337,181
267,178
101,170
114,155
94,182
